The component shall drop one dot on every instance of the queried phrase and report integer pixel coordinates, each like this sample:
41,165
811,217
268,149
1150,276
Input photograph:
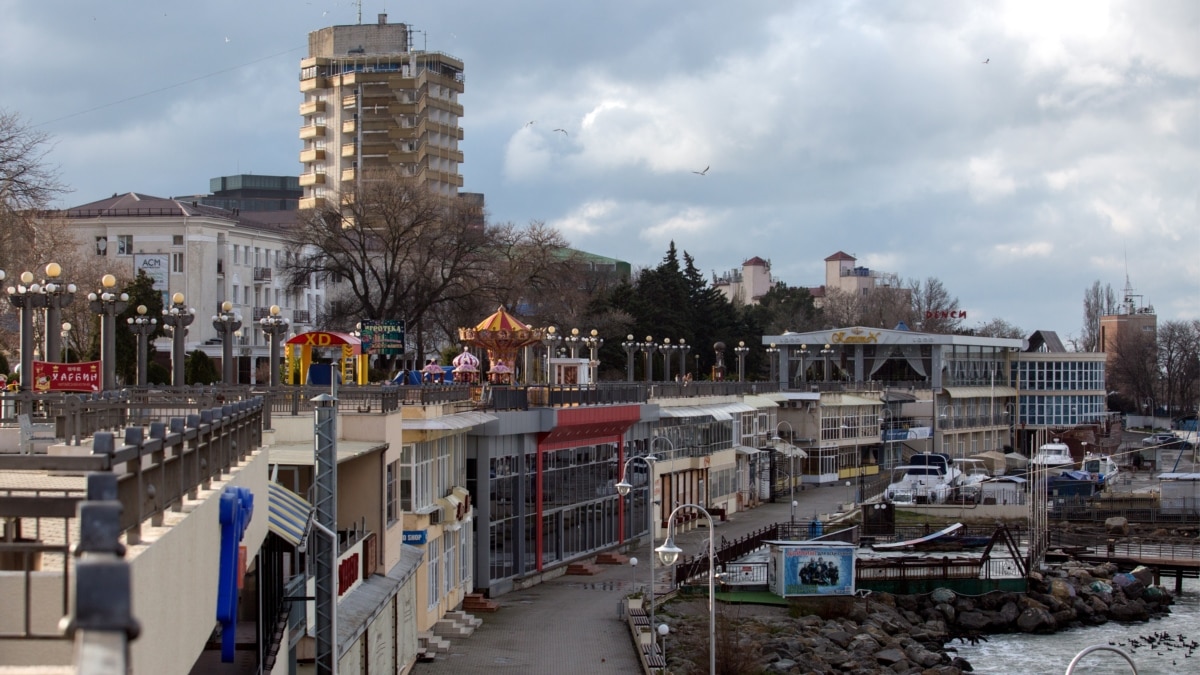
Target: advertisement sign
155,265
382,337
415,537
49,376
812,568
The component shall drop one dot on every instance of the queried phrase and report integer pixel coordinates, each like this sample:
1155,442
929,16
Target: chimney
383,19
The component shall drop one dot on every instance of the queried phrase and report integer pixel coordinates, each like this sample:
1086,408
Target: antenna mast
359,12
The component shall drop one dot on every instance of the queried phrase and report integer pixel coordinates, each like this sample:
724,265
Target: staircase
612,558
583,569
475,603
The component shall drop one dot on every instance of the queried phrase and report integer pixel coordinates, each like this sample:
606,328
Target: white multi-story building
372,102
210,255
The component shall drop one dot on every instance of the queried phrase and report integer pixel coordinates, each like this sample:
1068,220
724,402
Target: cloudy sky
1018,151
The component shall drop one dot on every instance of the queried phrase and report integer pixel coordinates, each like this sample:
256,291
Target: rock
890,657
1034,620
962,664
1062,590
1143,574
1116,525
783,665
921,656
1122,579
974,621
839,637
1129,611
942,595
1100,587
863,644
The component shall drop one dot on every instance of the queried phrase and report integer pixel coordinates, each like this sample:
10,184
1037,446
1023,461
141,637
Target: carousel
501,335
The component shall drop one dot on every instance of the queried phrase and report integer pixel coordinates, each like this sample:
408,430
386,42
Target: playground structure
346,356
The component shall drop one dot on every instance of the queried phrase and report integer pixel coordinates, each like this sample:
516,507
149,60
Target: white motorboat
1054,456
1102,468
972,472
918,484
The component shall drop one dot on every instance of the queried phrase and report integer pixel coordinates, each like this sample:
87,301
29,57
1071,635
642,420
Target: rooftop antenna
359,3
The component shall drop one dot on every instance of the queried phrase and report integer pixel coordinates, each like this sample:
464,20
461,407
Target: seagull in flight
987,59
530,123
564,132
702,173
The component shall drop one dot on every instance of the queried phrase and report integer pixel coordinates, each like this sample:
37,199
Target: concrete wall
988,513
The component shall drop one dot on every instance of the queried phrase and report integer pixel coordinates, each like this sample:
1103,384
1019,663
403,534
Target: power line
166,88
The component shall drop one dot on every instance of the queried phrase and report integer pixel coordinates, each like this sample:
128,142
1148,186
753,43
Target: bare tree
841,308
1098,301
998,328
934,310
27,184
1178,350
394,249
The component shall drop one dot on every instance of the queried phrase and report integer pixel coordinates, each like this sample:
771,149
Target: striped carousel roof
501,320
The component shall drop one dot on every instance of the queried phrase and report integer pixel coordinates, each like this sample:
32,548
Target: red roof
840,256
756,261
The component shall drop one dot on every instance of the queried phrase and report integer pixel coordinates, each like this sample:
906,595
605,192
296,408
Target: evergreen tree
141,292
199,369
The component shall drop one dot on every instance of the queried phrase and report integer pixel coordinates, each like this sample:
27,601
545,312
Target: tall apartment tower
372,102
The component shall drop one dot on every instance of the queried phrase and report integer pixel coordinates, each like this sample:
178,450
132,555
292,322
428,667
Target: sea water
1051,654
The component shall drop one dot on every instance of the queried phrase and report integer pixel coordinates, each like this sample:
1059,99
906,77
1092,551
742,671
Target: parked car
1163,439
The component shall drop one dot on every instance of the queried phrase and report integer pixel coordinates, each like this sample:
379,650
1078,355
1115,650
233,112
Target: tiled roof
840,255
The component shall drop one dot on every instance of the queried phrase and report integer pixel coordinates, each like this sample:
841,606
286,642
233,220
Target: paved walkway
572,624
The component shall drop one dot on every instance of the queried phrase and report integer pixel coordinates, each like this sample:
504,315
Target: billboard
812,568
381,337
155,265
48,376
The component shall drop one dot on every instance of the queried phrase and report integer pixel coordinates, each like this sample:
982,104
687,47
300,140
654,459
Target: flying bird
702,173
564,132
987,59
530,123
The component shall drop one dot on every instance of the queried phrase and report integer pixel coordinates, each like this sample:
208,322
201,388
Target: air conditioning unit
435,517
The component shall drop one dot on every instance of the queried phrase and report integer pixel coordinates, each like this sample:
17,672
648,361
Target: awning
692,411
304,454
846,399
289,514
760,402
730,407
980,392
788,450
463,420
746,450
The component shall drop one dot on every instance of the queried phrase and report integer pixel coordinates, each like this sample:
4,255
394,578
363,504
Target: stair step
612,559
583,569
477,604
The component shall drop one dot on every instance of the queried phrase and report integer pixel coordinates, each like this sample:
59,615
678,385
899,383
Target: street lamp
177,317
66,334
684,348
550,340
573,341
741,350
108,305
630,346
803,352
663,631
26,296
667,348
777,441
825,355
226,324
57,297
648,347
773,355
275,327
142,326
623,488
668,553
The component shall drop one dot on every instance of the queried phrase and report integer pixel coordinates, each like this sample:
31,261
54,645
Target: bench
29,435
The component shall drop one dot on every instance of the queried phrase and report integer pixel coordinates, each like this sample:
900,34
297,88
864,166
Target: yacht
972,472
1054,456
918,484
1102,468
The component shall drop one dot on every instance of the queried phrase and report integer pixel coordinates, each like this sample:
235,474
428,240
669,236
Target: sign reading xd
382,337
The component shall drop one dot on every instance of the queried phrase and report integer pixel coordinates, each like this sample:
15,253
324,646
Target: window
177,240
101,245
177,263
390,480
434,568
124,244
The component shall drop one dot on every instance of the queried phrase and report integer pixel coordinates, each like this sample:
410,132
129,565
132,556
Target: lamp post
178,317
550,340
648,347
594,342
944,414
777,441
825,352
684,348
803,352
275,327
623,488
573,341
108,305
57,297
885,426
773,355
741,350
663,631
668,553
667,348
66,334
630,346
142,326
226,324
26,296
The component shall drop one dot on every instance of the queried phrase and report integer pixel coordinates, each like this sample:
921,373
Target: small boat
973,472
1053,456
1102,468
918,484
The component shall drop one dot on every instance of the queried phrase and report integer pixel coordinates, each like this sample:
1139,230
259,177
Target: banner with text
49,376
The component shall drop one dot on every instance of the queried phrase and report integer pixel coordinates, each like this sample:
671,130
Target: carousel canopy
500,333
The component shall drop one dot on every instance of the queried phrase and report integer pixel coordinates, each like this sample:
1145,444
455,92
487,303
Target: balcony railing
262,273
301,316
261,313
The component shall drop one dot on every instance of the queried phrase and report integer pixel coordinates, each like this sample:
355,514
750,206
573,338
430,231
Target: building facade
747,285
372,102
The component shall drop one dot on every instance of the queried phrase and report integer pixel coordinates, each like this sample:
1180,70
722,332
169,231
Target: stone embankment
910,634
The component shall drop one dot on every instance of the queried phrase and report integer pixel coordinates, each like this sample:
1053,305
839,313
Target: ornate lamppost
178,317
825,355
773,355
623,488
648,347
594,342
275,327
57,297
667,348
803,352
630,346
226,324
66,342
573,341
142,326
684,348
668,553
108,305
550,339
741,351
26,296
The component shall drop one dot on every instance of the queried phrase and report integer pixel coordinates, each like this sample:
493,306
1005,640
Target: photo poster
155,265
817,569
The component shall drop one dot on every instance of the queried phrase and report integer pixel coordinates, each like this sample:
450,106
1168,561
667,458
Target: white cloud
1033,249
988,178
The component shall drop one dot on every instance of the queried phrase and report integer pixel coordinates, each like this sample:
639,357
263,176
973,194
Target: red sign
946,314
48,376
347,573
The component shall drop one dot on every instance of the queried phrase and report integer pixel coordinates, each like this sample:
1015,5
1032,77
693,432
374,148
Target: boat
1054,456
915,543
973,472
953,475
918,484
1102,468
